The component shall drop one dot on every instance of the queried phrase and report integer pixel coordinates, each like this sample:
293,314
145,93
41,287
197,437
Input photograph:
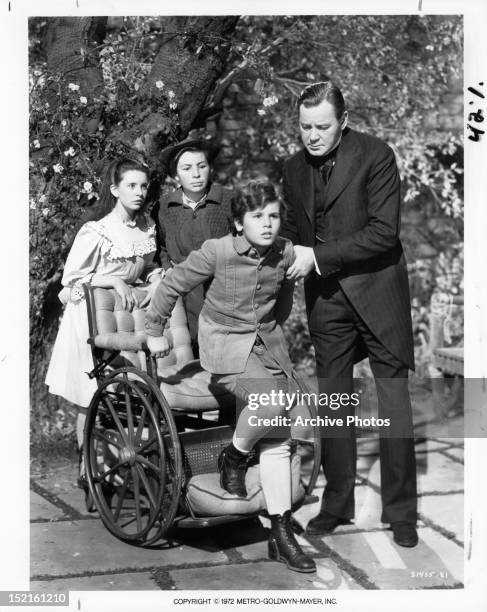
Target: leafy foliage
394,72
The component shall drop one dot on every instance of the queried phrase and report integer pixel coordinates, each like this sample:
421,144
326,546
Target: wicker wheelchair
154,431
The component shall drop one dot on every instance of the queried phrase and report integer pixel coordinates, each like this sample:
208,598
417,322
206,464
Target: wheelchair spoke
106,473
140,426
150,493
129,522
135,478
121,497
148,464
128,408
101,435
146,444
115,417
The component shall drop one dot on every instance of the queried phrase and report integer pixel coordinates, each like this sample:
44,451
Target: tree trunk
70,48
190,60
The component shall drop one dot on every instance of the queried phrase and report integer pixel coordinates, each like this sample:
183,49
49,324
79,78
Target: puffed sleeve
83,260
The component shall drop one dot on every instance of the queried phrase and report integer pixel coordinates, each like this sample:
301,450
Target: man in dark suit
343,216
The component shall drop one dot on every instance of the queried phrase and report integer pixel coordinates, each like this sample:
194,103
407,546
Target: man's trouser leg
334,338
397,456
335,330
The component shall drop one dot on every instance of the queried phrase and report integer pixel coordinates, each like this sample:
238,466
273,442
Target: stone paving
71,550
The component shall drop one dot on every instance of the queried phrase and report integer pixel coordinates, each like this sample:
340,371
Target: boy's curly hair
256,194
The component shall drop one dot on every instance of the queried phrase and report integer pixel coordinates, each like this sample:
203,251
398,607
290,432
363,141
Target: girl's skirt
71,358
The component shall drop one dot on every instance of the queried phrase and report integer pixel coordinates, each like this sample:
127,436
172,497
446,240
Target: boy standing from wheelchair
242,345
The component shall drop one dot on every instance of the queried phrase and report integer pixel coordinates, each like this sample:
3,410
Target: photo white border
14,368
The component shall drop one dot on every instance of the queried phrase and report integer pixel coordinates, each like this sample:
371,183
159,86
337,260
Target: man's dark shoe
404,534
283,547
232,465
324,523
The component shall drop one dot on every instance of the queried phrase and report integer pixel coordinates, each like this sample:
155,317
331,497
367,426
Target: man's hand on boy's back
158,346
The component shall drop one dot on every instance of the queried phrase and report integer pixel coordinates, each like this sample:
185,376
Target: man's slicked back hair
315,94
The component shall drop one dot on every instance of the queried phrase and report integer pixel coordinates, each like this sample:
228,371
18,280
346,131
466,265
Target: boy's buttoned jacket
248,296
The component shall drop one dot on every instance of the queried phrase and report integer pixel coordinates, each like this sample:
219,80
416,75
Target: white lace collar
125,239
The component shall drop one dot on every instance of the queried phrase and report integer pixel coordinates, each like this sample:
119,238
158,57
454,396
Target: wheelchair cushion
185,385
190,388
205,497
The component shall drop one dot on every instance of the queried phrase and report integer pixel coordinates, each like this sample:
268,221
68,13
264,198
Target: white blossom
159,85
171,94
70,152
173,105
32,204
87,186
64,123
73,87
260,111
83,100
58,168
45,211
43,198
270,101
36,144
136,86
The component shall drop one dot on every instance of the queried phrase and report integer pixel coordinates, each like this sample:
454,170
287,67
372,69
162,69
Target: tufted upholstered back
185,385
113,328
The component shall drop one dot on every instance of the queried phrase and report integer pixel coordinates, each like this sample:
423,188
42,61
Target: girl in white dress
116,252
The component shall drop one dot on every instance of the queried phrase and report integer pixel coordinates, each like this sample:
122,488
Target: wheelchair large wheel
133,457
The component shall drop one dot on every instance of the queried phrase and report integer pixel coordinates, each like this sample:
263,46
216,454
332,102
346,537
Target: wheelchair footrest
200,522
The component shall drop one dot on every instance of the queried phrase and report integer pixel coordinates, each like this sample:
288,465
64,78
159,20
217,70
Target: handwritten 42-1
477,116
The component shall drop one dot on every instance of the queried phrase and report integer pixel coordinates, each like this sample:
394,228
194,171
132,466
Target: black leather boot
232,465
284,548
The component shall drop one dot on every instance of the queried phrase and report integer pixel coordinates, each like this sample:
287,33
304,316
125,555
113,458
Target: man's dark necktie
326,169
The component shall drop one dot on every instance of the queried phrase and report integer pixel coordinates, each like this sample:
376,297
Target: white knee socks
275,475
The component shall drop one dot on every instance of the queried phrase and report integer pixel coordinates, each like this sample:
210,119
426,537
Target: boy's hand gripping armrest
158,346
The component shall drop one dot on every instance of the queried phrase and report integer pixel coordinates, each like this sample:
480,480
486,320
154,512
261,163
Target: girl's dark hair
256,194
113,176
314,94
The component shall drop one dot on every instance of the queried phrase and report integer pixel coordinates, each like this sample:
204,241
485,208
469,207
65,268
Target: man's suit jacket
362,247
